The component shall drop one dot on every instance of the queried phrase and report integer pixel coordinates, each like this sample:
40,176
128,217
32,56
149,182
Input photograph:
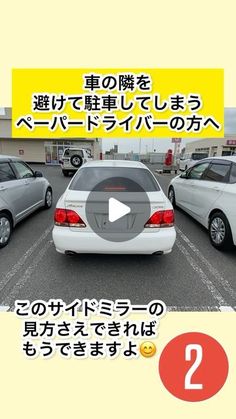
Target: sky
162,144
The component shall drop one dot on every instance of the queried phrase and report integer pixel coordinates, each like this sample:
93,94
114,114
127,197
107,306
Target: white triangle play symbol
117,209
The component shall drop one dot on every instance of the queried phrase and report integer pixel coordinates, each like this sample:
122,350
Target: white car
188,160
134,218
207,192
22,191
73,158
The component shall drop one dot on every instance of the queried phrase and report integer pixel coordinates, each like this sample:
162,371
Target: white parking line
193,308
13,294
18,265
4,308
226,308
216,295
225,284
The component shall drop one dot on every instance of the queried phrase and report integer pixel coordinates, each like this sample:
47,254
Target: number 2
188,385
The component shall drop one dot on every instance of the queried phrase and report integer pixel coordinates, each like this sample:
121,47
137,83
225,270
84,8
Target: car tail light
161,219
67,218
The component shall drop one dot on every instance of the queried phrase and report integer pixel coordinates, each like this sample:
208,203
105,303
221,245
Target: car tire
76,161
65,172
171,196
48,198
6,228
220,232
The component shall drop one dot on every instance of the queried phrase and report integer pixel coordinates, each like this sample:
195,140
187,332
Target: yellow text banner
114,103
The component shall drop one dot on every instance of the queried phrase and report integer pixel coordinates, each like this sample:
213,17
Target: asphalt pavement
195,276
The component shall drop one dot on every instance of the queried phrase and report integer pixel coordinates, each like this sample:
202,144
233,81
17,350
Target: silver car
22,191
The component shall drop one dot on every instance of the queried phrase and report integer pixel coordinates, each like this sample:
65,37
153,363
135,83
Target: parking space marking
226,308
216,295
4,308
193,308
20,283
18,265
216,274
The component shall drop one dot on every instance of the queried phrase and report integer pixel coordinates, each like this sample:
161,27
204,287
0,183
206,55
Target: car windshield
114,179
199,156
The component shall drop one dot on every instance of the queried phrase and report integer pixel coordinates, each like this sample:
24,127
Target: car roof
227,158
115,163
75,148
8,158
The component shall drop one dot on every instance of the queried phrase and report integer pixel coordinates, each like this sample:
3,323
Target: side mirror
38,174
184,175
60,161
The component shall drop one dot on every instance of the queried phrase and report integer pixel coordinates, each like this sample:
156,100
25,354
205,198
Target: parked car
188,160
73,158
72,231
207,192
22,191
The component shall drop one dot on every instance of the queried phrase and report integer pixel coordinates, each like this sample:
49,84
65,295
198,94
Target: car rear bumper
66,240
69,168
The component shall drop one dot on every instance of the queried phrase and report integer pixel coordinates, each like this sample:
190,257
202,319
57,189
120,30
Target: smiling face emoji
147,349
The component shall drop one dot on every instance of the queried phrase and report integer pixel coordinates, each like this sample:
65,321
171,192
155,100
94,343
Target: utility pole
140,139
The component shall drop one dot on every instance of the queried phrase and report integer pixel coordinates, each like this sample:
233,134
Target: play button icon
117,210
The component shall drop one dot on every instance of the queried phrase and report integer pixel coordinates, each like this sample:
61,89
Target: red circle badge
193,366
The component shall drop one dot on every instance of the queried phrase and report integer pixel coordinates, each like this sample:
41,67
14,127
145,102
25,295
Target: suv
73,158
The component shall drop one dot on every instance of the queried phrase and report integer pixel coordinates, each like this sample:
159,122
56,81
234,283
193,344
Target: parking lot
195,276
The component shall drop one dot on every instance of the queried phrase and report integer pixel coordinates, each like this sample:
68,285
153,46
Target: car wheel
220,231
48,199
5,229
171,196
65,172
76,160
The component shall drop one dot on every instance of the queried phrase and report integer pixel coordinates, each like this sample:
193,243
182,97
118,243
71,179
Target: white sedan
207,191
114,207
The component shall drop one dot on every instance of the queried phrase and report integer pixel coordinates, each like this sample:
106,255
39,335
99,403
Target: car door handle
26,182
3,188
216,188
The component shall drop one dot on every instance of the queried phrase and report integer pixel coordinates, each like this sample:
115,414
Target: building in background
213,146
40,150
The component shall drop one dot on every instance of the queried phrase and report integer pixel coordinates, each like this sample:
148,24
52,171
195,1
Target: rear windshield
199,156
114,179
